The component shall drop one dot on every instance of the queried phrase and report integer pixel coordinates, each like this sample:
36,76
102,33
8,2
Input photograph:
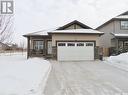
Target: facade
71,42
115,36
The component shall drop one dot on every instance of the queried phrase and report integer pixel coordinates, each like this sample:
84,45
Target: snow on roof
82,31
122,17
38,33
121,35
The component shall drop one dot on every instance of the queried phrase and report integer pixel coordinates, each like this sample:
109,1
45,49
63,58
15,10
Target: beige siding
72,37
118,28
72,27
78,27
112,27
105,40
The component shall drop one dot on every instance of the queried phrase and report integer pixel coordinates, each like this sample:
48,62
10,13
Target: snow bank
19,76
120,61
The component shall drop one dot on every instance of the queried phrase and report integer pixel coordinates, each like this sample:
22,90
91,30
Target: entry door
75,51
49,48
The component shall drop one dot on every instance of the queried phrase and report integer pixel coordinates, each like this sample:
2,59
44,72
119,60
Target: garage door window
61,44
71,44
89,44
80,44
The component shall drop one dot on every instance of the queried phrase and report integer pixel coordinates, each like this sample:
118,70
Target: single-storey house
74,41
115,36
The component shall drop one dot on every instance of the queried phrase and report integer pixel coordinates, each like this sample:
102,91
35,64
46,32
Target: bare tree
6,28
22,46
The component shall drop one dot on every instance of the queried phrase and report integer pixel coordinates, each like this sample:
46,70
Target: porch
39,47
119,45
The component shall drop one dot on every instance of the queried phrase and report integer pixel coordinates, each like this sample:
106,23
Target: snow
121,35
38,33
19,76
122,17
120,61
90,31
46,32
42,32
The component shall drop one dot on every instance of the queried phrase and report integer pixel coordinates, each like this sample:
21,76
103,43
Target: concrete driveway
86,78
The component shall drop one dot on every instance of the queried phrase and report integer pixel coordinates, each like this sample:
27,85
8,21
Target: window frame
37,46
61,44
80,44
121,25
89,44
73,44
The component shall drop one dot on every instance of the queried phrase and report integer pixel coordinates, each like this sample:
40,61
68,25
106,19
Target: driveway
86,78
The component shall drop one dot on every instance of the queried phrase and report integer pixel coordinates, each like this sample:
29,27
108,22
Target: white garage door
75,51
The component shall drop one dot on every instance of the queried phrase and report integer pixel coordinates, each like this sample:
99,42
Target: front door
49,47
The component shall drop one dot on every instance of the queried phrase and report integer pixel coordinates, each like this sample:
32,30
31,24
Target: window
125,43
124,24
80,44
61,44
38,45
89,44
71,44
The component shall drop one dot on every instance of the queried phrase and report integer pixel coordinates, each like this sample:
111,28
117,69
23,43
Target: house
115,37
71,42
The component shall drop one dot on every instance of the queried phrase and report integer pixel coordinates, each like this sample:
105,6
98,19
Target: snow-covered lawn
19,76
120,61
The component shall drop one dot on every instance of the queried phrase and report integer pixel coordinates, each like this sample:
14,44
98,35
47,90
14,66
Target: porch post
45,47
28,47
117,51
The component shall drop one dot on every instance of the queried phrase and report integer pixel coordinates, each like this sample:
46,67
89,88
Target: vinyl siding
72,37
118,28
105,40
74,26
112,27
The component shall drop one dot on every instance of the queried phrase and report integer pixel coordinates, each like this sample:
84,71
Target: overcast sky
35,15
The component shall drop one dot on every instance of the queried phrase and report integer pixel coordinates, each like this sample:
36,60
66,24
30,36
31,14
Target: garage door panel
64,53
75,53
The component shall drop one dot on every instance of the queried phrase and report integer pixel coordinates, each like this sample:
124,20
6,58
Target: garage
75,51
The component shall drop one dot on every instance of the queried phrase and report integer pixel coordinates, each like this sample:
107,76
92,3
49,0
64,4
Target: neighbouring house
71,42
4,47
115,38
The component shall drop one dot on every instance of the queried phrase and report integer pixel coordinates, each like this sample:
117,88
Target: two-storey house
115,37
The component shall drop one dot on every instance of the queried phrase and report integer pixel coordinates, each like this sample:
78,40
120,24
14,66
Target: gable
74,25
125,13
115,18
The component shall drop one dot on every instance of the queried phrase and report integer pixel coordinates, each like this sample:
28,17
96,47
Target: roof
76,31
70,31
125,13
121,16
38,33
120,35
74,22
45,32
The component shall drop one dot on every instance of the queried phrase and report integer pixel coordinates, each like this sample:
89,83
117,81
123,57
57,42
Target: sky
35,15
